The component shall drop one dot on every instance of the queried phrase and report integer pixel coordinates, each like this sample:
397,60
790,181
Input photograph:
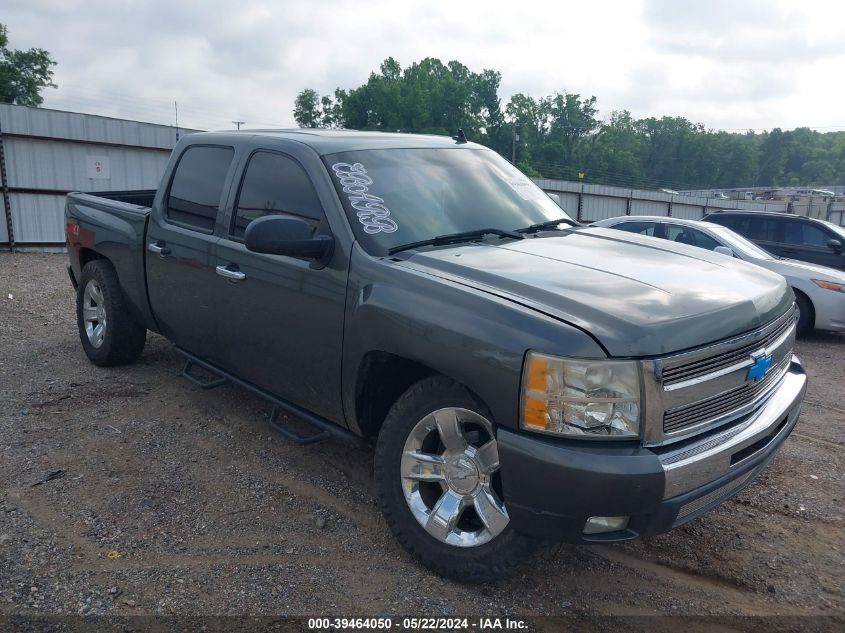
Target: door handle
228,273
158,248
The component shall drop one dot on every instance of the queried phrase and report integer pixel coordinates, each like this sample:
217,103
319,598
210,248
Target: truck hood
638,296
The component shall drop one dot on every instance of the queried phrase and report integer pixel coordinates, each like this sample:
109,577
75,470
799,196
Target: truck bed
112,225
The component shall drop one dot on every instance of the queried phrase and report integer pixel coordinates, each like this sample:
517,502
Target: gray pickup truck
522,378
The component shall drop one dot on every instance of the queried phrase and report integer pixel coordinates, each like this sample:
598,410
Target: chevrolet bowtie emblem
759,368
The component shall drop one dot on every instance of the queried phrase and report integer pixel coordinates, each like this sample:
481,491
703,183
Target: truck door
280,321
180,248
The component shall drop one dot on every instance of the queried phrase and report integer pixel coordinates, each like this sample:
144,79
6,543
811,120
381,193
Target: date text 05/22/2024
417,624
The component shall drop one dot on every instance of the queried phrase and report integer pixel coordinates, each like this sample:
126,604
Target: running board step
323,427
203,383
318,436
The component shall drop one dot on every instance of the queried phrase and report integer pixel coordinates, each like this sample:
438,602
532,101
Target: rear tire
109,333
806,314
472,540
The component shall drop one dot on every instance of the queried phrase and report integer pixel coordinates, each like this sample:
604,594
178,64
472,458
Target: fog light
599,525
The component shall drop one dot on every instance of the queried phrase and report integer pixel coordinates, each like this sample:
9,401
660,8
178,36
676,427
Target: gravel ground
178,501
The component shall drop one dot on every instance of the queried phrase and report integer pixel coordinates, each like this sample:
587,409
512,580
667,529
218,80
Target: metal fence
589,203
46,153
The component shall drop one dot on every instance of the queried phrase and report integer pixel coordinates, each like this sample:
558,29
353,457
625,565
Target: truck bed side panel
116,231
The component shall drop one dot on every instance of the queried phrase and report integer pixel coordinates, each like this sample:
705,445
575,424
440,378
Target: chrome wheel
450,477
94,313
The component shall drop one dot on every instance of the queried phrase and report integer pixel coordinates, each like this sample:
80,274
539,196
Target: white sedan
819,291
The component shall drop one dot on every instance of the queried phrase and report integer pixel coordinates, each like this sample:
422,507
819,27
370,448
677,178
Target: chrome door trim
233,275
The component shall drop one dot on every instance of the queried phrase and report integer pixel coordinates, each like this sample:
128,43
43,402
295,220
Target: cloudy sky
728,64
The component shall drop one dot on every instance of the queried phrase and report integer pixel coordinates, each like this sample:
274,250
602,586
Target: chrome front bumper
553,486
692,464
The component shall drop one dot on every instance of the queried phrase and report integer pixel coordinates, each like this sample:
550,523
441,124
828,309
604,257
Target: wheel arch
805,297
89,255
382,378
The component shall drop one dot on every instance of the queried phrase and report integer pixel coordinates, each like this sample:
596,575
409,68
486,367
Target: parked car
793,236
521,378
819,291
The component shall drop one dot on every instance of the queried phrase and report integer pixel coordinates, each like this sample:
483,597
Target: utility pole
239,123
514,141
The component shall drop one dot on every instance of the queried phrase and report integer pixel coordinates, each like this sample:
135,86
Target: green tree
306,109
23,74
561,135
426,97
312,110
614,154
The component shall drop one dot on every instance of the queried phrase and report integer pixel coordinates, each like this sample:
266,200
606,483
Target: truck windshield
394,197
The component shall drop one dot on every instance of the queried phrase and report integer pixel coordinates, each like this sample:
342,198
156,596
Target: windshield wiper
549,224
456,238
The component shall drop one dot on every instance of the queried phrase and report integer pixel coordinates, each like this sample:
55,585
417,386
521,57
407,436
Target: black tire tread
806,321
500,558
125,338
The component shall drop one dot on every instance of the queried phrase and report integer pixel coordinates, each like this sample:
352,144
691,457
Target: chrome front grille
709,365
708,388
699,412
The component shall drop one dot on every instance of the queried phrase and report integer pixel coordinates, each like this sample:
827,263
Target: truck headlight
580,398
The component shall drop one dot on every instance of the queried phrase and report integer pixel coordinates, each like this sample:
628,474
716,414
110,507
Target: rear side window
643,228
762,229
732,222
275,184
197,185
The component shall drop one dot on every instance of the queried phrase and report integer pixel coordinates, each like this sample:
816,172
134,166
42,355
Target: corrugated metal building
47,153
590,203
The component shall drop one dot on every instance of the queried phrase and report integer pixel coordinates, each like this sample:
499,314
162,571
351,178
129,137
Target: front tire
806,315
109,333
437,473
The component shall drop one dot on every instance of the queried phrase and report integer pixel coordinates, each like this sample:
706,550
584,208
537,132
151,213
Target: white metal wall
83,127
47,154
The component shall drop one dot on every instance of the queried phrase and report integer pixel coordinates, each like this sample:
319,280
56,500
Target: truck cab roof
333,141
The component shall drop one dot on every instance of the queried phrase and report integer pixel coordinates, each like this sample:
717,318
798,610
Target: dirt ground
175,500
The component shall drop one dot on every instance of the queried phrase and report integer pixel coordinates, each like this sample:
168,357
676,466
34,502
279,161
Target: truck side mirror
724,250
556,198
835,245
286,235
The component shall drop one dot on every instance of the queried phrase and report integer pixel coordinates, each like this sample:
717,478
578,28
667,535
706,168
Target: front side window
394,197
680,234
806,234
643,228
274,184
197,185
702,240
